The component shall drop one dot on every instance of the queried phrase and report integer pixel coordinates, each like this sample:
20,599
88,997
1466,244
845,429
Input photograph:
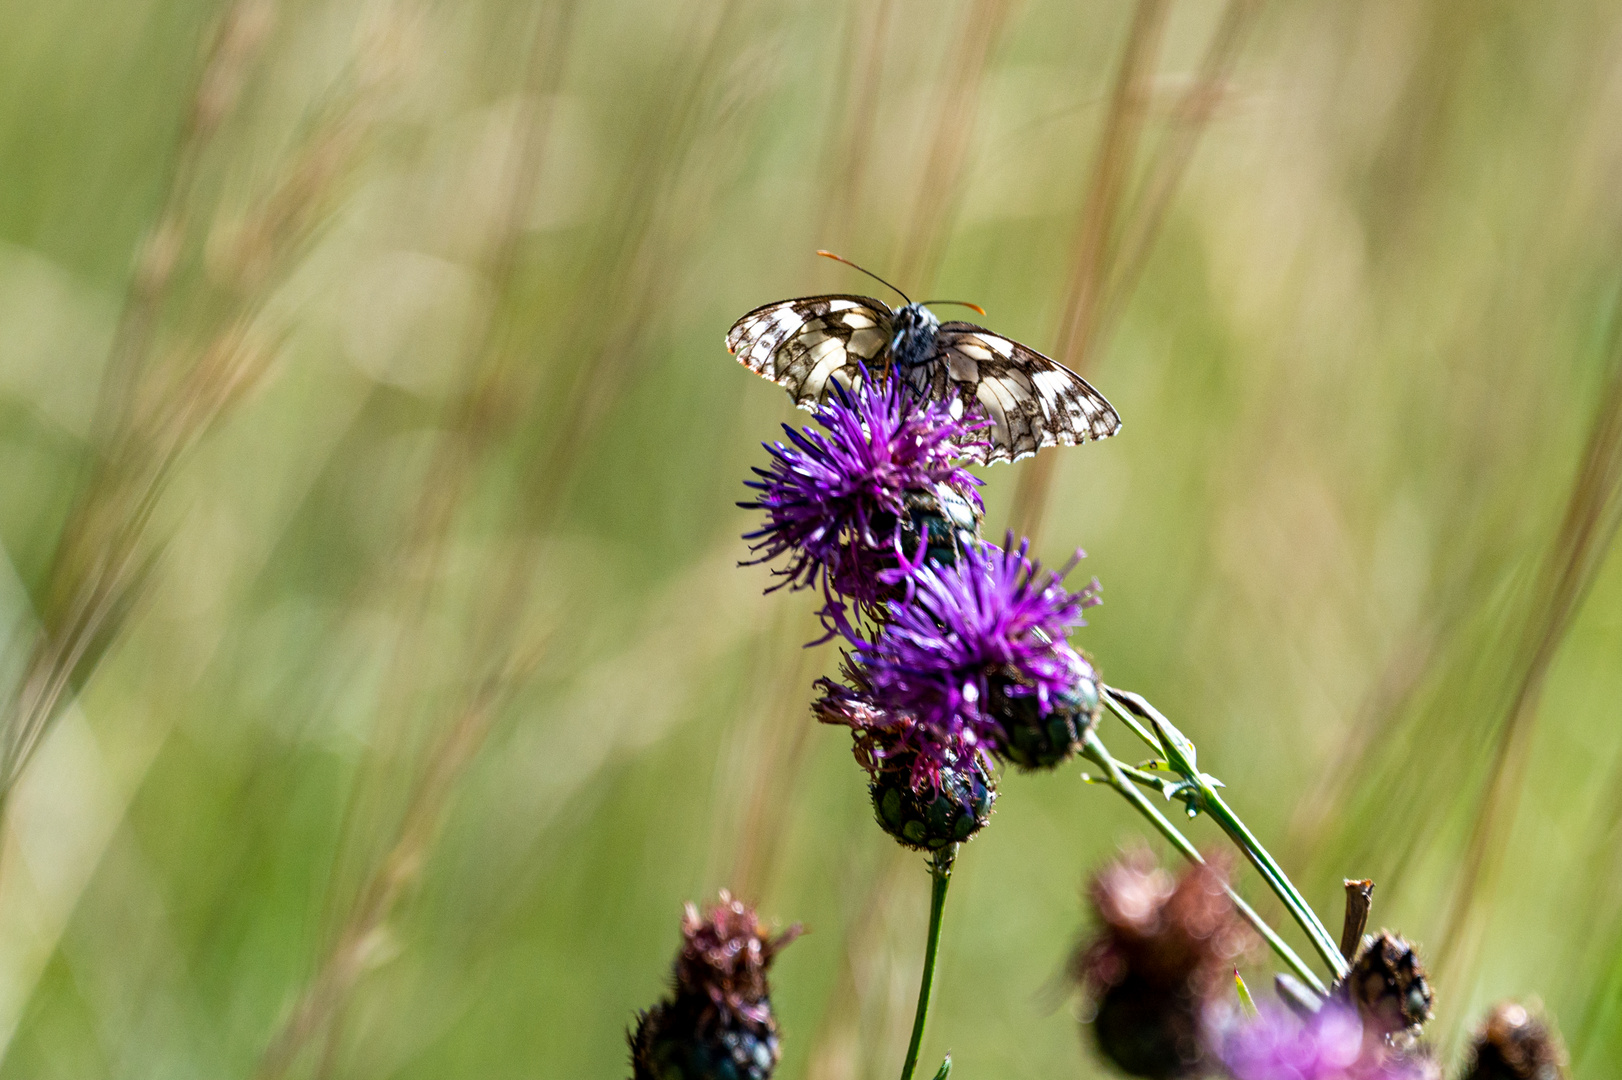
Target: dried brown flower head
1515,1044
1166,948
718,1021
1388,986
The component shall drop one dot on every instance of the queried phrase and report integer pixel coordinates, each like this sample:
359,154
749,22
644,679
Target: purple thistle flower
1328,1046
987,630
839,501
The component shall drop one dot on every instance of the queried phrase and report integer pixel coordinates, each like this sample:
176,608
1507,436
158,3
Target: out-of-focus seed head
718,1022
1388,987
1165,951
1513,1043
1167,930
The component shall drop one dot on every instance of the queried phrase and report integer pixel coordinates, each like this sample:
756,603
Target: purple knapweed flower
1331,1045
974,638
839,502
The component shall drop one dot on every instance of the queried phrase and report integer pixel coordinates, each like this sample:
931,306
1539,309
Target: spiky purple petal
993,615
836,500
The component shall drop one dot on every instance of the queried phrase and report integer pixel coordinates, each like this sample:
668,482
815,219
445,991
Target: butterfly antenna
869,273
959,303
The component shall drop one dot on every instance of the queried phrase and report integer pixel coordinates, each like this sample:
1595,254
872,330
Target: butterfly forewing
1030,400
803,345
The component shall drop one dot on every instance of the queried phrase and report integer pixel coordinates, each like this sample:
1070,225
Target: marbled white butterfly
806,345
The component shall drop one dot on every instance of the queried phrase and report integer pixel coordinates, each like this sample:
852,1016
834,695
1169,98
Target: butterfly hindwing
1031,401
807,344
803,344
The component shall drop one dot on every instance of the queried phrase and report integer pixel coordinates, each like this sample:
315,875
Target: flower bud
928,791
1032,738
718,1023
929,815
1513,1044
1387,984
1165,951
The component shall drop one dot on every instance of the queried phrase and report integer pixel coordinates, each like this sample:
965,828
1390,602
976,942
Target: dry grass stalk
1189,121
477,423
780,742
1103,275
924,241
144,424
233,50
354,950
857,111
1589,525
1112,168
860,1023
634,275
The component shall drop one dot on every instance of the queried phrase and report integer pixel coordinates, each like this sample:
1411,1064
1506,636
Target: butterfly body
808,344
913,345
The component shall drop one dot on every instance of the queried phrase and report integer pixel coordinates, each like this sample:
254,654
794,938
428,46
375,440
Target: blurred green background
379,680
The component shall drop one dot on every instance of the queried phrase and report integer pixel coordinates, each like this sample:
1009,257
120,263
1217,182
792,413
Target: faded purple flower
1329,1046
839,502
927,793
1515,1043
718,1018
885,739
990,627
1161,960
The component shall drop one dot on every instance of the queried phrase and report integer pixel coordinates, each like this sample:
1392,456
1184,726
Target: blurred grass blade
1586,533
1094,245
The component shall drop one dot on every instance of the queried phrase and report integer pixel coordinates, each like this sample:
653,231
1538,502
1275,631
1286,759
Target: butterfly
807,345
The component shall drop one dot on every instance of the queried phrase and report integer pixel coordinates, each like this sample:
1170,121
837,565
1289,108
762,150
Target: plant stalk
940,874
1264,862
1202,793
1094,750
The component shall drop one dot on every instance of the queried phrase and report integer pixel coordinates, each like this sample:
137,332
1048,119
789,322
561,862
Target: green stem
1246,841
1125,716
940,873
1180,754
1094,750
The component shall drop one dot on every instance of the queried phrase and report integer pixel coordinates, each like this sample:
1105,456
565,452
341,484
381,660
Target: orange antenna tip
959,303
869,273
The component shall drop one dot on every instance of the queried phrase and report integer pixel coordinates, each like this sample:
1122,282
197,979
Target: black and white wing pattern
1031,401
803,344
808,344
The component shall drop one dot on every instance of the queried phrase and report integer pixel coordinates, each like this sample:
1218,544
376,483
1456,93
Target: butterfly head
914,340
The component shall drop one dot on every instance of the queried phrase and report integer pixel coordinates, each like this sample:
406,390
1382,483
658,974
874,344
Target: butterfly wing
1031,401
803,344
